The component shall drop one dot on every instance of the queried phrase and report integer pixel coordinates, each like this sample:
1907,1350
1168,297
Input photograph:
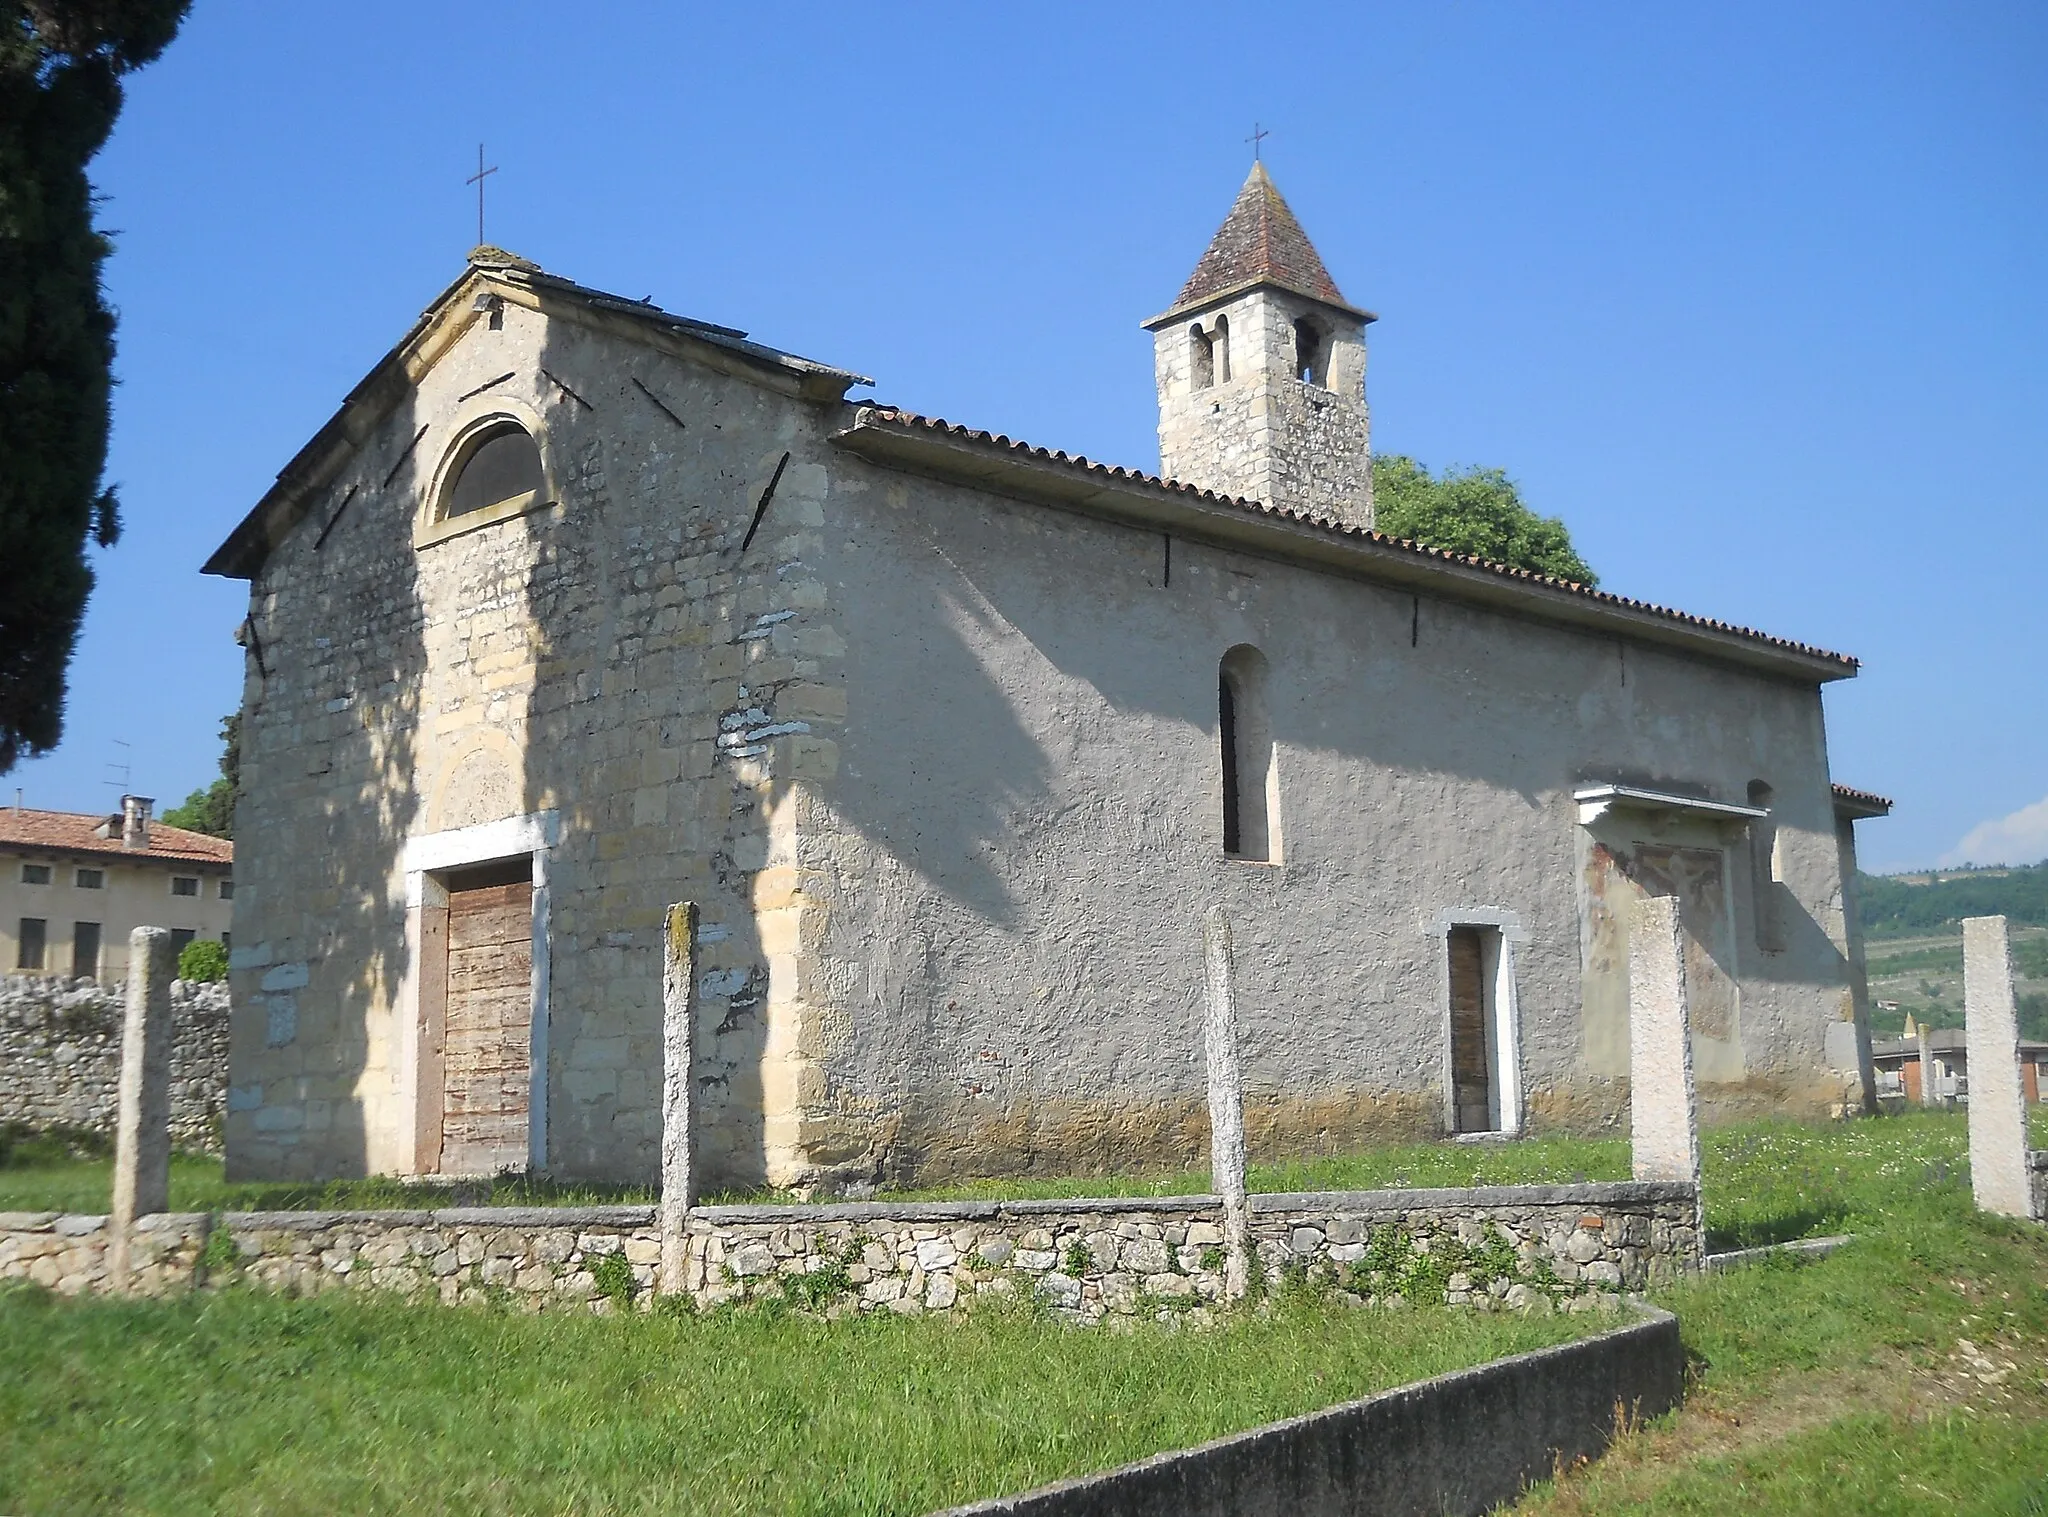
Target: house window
1485,1084
502,470
1251,800
35,874
184,884
180,936
85,949
28,945
1201,358
227,890
90,879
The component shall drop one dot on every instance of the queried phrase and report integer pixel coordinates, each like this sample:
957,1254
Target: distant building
1946,1079
73,886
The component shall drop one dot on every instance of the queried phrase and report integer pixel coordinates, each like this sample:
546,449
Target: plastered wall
940,770
1025,826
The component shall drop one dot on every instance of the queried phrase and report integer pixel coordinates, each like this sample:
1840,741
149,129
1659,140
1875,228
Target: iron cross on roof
1257,139
477,179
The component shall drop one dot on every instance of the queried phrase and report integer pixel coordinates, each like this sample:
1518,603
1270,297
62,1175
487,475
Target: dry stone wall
60,1056
1530,1248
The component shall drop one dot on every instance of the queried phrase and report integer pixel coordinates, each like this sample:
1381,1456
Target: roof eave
1182,310
1859,805
1200,514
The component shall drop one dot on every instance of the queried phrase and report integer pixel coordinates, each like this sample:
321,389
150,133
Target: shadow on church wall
334,667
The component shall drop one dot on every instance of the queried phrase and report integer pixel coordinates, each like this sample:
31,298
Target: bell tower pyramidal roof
1260,242
1260,368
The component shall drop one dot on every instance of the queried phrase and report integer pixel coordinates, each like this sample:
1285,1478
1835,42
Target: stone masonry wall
1506,1248
60,1055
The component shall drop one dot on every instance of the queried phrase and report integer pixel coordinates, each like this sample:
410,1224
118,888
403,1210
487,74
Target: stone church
577,607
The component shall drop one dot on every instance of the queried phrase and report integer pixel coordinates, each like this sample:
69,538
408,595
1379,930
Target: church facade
577,608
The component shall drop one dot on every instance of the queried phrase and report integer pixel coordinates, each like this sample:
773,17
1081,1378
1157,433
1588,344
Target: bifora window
502,470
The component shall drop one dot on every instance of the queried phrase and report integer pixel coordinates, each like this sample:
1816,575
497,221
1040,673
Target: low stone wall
1534,1248
60,1055
1460,1444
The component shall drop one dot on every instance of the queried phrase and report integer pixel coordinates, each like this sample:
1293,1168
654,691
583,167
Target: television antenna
124,766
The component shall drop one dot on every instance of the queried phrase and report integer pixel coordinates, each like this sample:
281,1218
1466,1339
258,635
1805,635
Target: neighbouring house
577,608
1943,1079
73,886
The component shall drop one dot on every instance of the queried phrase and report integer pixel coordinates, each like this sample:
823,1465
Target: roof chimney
135,821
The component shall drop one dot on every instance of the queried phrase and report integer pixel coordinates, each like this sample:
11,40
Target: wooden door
1471,1069
487,1037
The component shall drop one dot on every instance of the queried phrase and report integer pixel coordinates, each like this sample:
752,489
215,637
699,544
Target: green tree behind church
212,810
1477,512
61,63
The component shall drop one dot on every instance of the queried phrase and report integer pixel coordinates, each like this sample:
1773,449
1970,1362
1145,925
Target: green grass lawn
1765,1182
53,1176
1841,1385
241,1402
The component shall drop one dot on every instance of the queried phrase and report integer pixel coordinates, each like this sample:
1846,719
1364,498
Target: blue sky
1752,296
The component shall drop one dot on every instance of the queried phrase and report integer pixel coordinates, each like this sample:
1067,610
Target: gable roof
76,832
1260,242
942,449
489,270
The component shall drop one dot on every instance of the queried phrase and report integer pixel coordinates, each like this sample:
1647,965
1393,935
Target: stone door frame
1505,1032
535,835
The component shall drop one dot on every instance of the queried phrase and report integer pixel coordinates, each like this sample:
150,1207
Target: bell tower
1260,365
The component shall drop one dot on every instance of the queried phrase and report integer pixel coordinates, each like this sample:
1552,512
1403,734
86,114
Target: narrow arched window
502,468
1310,358
1766,872
1219,342
1201,358
1244,729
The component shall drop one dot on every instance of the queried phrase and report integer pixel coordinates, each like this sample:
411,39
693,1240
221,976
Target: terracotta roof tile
1081,465
74,832
1260,242
1865,801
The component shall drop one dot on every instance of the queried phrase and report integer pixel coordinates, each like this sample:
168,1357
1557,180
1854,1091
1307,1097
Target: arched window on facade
1219,342
1251,789
502,469
1311,357
1766,872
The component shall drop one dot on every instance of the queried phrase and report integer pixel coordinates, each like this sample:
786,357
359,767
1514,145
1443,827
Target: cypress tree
61,63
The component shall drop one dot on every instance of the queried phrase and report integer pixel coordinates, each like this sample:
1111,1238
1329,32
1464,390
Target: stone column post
678,1035
1664,1118
142,1133
1927,1096
1999,1173
1226,1102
